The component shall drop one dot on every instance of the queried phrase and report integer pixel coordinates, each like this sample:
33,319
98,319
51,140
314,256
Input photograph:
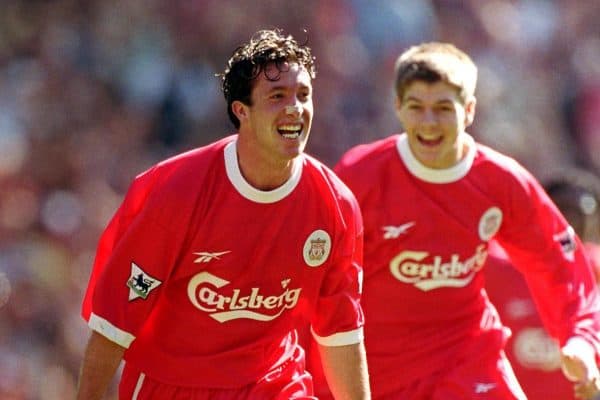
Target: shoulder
190,161
330,186
185,168
178,180
360,165
486,155
505,177
498,165
369,153
328,178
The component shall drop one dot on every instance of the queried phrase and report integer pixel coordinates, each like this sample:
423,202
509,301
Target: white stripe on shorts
138,386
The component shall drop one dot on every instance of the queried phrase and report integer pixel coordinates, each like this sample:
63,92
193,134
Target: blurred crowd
95,91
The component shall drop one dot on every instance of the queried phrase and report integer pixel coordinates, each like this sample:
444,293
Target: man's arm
100,362
345,368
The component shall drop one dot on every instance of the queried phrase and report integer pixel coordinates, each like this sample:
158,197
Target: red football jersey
426,242
204,279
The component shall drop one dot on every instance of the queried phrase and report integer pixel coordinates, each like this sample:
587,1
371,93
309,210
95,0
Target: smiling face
434,116
276,124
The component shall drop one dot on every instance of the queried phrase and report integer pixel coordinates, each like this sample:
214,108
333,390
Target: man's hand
588,390
578,361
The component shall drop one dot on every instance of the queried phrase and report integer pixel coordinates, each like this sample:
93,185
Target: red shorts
290,381
486,377
484,374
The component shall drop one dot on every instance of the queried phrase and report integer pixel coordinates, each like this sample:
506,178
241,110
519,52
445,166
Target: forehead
431,91
283,75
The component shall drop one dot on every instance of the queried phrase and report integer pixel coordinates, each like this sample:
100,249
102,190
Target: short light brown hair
436,61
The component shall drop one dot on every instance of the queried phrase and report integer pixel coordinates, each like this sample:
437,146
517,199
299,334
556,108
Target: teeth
295,127
290,131
430,139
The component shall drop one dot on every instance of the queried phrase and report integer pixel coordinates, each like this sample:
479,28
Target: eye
276,96
304,96
445,106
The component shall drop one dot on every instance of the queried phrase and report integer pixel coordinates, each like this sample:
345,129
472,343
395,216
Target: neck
260,170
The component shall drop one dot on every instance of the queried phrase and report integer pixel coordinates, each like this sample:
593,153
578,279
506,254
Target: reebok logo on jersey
393,232
566,239
409,267
205,256
140,284
206,293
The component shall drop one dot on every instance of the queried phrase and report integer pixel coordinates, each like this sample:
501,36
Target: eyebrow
283,87
276,88
442,101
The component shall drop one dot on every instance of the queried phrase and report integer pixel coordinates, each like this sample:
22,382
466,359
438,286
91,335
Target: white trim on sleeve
110,331
340,338
578,347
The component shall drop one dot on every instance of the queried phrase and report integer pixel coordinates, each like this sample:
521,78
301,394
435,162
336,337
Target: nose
294,110
429,116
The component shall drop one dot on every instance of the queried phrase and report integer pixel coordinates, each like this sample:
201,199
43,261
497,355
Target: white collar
432,175
250,192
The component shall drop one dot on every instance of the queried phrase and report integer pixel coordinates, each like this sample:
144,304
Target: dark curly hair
576,192
250,59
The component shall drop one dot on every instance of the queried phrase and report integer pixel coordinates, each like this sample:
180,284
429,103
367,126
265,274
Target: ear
240,110
470,111
397,106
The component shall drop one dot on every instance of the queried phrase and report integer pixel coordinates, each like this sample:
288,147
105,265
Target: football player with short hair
432,199
217,255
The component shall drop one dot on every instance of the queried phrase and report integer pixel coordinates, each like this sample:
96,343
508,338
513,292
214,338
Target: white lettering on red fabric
410,267
203,291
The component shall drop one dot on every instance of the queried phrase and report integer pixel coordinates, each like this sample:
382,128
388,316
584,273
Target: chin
293,154
295,149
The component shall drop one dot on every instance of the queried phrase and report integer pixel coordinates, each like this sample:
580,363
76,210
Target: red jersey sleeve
552,259
115,229
133,258
342,285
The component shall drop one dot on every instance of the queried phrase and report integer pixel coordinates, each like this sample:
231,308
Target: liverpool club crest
317,248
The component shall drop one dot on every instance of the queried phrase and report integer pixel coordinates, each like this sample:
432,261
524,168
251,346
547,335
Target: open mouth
290,131
430,142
